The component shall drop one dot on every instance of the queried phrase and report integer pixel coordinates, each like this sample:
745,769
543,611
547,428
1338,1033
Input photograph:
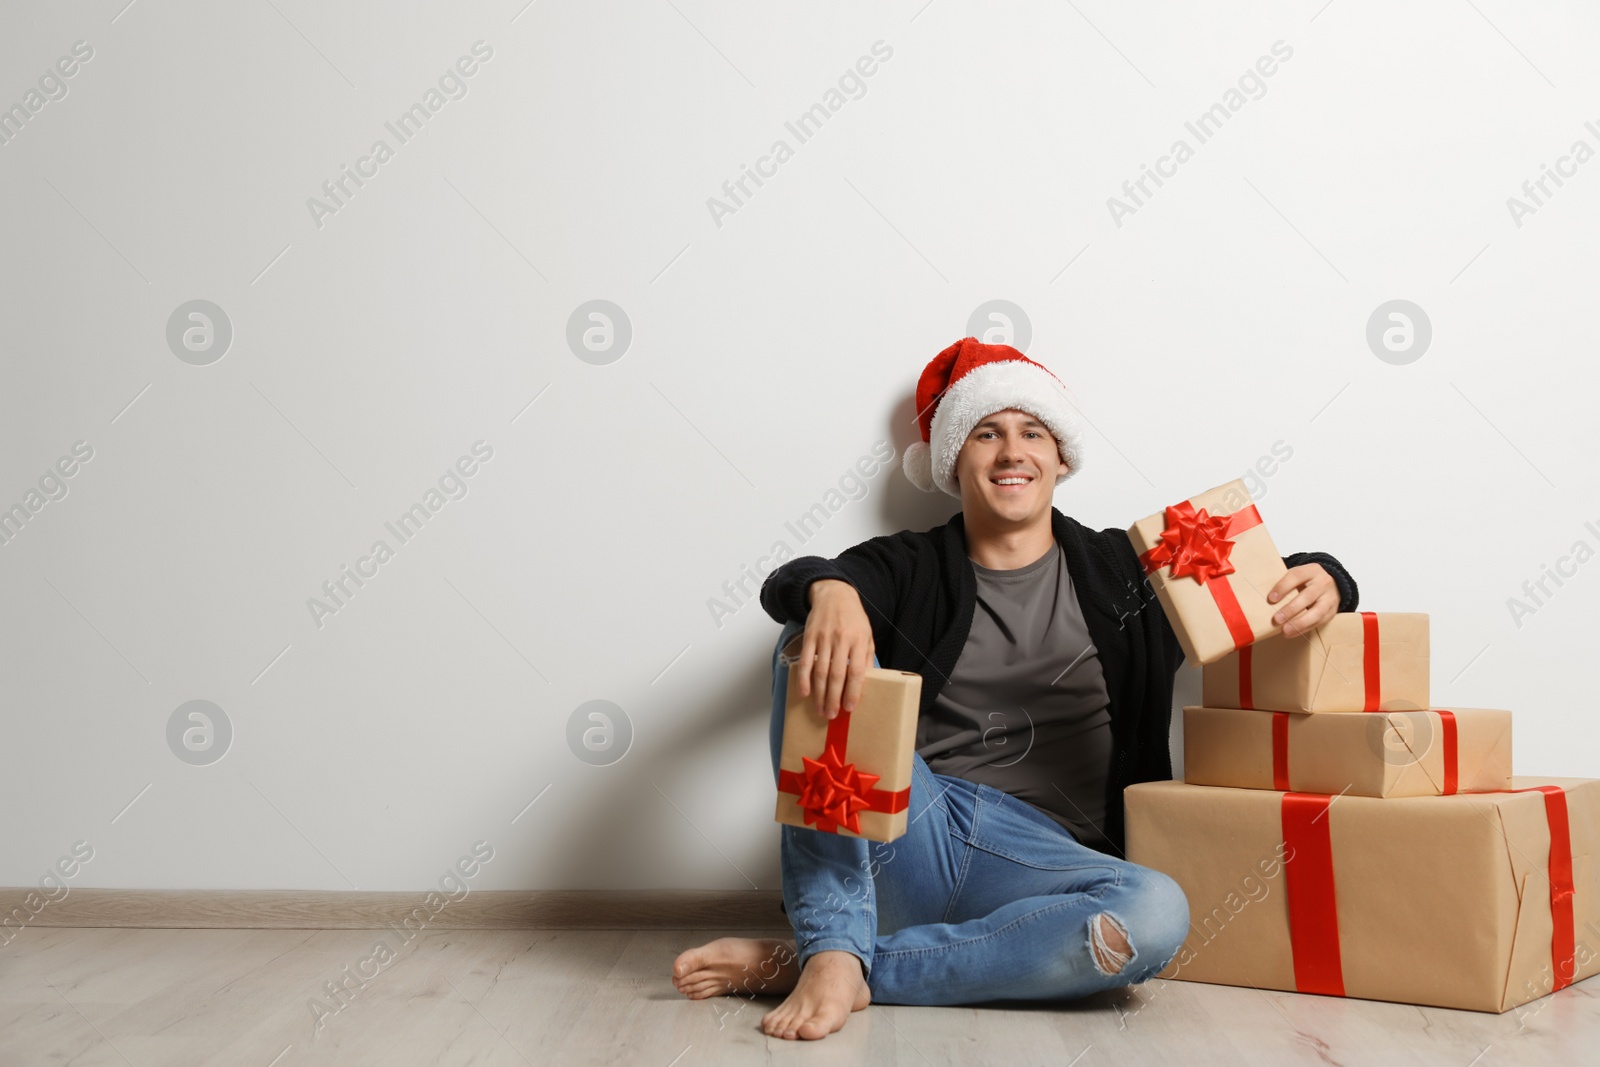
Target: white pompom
918,465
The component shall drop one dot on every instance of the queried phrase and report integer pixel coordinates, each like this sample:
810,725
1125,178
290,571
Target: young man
1047,669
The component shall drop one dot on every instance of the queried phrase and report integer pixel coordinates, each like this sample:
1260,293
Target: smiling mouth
1011,482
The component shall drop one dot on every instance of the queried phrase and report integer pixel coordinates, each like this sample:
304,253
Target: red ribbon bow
834,791
1197,544
831,792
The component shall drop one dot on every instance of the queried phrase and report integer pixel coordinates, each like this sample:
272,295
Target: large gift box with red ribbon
1481,901
1355,661
1212,564
851,775
1435,752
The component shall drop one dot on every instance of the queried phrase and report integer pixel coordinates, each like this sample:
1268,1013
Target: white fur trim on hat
918,464
995,387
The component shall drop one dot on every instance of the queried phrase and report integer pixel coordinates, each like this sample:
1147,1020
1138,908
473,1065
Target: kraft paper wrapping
1327,668
1190,605
1383,754
1440,900
882,734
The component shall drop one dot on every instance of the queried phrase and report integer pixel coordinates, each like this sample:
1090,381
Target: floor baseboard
332,910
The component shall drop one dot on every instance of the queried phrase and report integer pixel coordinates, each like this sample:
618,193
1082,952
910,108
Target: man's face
1003,448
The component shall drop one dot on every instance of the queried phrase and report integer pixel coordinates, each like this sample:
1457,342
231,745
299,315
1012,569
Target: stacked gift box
1335,832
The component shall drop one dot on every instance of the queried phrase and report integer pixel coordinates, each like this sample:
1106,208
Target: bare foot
747,966
829,989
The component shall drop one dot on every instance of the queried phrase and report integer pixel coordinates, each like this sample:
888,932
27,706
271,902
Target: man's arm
839,600
1349,595
1302,567
876,568
1320,587
836,648
785,595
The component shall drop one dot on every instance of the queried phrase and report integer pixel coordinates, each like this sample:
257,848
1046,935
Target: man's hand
1315,599
837,648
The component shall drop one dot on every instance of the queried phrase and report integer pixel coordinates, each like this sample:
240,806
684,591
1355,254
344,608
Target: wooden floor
168,998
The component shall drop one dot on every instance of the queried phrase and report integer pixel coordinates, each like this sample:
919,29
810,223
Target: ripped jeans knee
1108,943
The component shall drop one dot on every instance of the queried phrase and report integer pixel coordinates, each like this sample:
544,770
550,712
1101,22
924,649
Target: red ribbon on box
1313,910
1447,739
1308,881
1563,947
1280,751
1371,678
1447,720
1196,544
833,793
1369,660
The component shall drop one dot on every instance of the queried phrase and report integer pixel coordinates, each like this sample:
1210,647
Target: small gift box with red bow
1482,901
1436,752
851,775
1355,661
1212,564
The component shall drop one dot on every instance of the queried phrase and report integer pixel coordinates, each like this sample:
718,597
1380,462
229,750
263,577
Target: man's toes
812,1029
692,978
710,987
688,961
777,1023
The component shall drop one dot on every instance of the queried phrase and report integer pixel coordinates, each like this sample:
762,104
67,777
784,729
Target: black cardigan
919,591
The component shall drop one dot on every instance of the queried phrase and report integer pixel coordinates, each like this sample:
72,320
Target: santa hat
970,381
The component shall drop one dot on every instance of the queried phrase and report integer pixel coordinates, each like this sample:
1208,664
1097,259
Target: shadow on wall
623,831
904,506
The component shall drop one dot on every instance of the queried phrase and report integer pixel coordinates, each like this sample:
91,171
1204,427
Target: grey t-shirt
1026,709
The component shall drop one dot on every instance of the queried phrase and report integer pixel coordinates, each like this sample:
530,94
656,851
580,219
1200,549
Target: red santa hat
970,381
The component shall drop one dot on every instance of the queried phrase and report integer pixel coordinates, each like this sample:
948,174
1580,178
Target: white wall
373,347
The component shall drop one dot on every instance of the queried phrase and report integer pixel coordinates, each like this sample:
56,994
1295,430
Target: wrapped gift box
1481,901
851,775
1212,564
1385,754
1356,661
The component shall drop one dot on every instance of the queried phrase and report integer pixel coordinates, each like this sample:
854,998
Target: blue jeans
983,898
